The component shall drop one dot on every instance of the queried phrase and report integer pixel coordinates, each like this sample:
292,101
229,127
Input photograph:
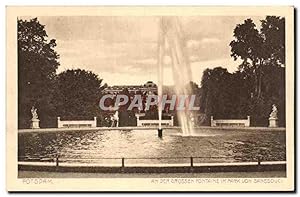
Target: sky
123,50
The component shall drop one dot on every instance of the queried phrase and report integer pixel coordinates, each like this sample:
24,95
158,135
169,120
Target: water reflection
91,146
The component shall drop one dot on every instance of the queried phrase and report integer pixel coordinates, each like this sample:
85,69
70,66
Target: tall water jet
161,43
171,35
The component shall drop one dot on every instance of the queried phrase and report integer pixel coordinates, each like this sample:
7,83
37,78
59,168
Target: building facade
148,88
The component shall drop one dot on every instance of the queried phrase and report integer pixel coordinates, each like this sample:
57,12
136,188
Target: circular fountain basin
109,146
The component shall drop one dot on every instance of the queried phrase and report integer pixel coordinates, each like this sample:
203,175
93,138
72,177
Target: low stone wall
230,122
233,167
250,129
76,123
147,123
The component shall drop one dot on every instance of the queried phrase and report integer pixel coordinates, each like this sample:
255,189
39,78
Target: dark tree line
71,94
37,64
259,81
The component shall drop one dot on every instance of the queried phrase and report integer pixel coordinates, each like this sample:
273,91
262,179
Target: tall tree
247,45
259,48
78,94
263,54
37,64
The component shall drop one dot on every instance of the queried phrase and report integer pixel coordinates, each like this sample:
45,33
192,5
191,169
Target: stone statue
274,112
115,119
34,113
35,122
273,119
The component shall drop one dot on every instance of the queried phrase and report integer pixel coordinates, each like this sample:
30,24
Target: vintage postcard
150,98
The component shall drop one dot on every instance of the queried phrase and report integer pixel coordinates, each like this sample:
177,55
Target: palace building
148,88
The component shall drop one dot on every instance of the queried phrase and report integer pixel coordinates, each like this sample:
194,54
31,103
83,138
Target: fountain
171,39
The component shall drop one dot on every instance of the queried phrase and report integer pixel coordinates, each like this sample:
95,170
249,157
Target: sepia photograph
150,98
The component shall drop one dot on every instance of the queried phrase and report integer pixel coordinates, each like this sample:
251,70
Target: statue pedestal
35,124
273,122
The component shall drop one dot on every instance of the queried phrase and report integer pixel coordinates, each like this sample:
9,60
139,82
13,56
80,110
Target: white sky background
123,50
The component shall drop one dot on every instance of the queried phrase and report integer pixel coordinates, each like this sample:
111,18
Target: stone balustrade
76,123
230,122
